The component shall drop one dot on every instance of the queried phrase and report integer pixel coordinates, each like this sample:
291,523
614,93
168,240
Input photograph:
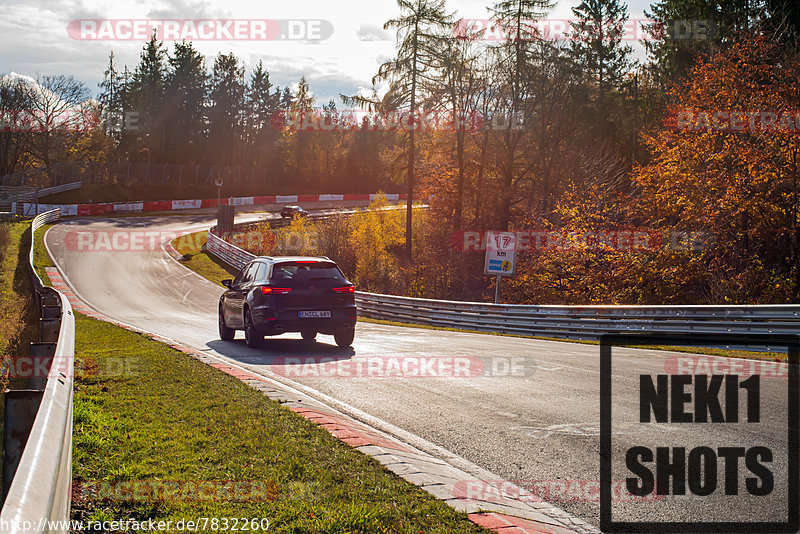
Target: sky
337,46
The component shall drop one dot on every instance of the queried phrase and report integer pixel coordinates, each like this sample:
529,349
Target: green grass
18,323
17,320
168,417
206,265
41,258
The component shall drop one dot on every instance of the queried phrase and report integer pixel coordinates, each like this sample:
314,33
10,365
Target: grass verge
215,270
41,258
146,412
18,322
196,259
17,319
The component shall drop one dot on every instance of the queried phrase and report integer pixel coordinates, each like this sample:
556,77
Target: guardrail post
20,411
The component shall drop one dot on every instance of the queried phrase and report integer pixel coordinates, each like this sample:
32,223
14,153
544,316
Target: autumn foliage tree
727,163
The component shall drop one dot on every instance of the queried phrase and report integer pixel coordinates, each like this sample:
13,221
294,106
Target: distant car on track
273,295
288,212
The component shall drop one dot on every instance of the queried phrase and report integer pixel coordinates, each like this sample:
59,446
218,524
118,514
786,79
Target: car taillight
345,289
269,290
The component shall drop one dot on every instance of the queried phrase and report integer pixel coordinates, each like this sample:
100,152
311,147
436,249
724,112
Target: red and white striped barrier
169,205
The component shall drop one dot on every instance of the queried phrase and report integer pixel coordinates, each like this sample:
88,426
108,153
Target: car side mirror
227,283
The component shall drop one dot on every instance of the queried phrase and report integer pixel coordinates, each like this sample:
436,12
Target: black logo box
791,343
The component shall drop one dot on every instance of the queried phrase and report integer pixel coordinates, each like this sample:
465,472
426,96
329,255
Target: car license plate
314,314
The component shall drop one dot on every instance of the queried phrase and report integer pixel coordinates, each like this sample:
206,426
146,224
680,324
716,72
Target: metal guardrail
39,497
28,197
590,322
570,322
230,254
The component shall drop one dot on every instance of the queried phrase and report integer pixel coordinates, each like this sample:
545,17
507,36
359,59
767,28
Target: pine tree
146,95
186,85
110,98
419,27
596,46
262,106
227,108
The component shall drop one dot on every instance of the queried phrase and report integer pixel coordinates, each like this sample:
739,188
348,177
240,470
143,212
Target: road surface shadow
275,351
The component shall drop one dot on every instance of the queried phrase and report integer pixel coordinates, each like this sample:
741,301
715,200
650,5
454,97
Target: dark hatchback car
288,212
271,296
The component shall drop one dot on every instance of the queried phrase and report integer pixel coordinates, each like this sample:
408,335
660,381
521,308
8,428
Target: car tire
253,339
308,335
225,333
344,337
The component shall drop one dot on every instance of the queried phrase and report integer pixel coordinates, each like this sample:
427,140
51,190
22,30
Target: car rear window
298,273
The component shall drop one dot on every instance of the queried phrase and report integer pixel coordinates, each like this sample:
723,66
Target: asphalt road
527,410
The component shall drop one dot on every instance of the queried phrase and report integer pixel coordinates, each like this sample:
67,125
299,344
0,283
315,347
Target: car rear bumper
271,323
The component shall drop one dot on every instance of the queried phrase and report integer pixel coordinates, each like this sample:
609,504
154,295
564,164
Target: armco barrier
19,201
567,322
40,490
589,322
230,254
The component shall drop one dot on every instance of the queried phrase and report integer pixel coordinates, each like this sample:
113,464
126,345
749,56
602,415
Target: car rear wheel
251,336
225,333
344,337
308,335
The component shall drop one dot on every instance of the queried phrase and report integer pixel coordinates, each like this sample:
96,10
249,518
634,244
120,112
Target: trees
111,100
227,109
261,107
62,116
739,184
14,142
517,19
185,110
597,50
460,86
781,18
692,29
146,96
418,28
